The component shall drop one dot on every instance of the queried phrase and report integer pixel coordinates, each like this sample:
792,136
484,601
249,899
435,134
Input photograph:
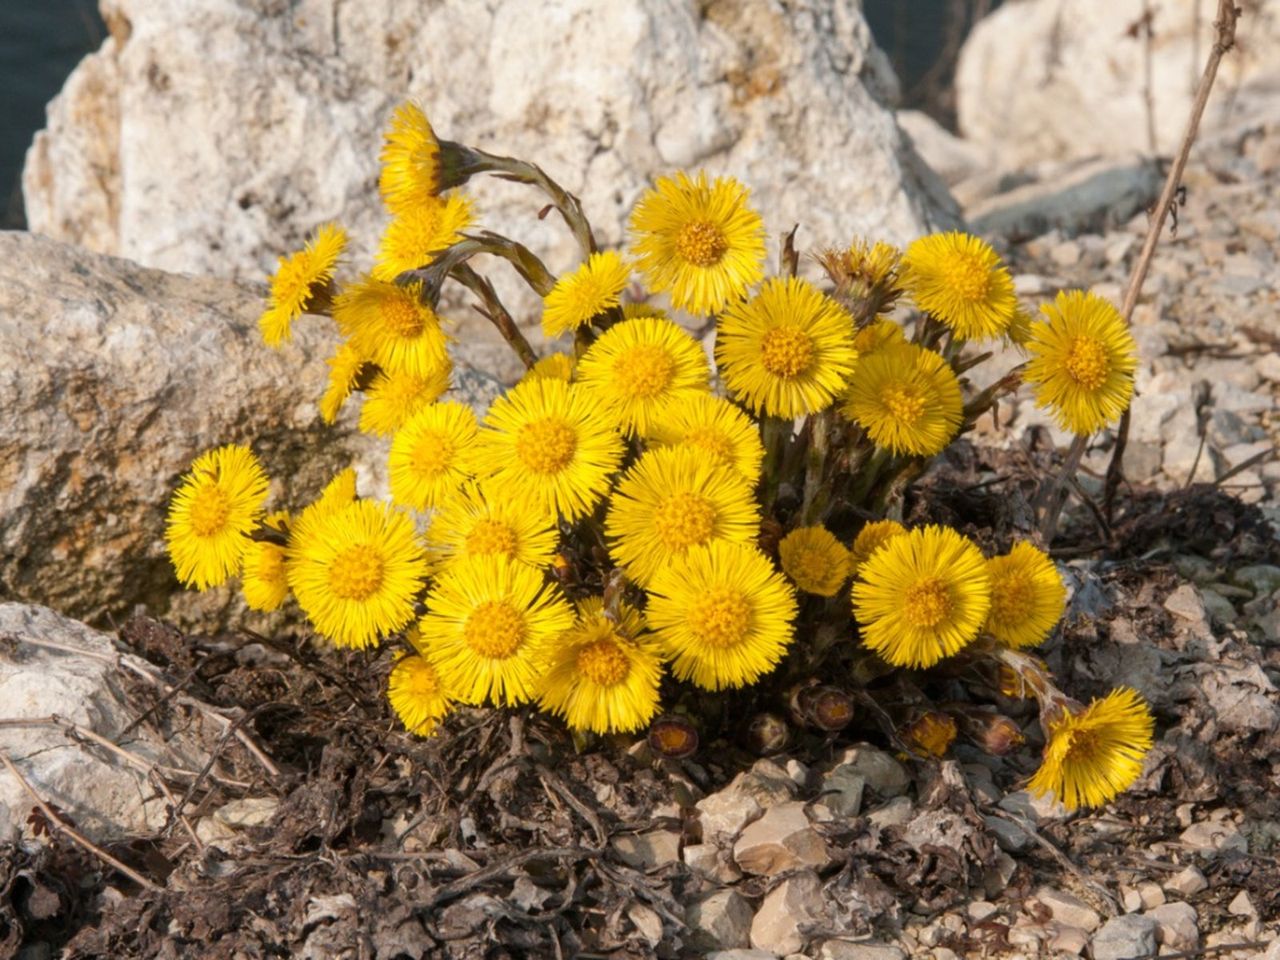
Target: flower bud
673,738
816,705
931,733
767,734
993,732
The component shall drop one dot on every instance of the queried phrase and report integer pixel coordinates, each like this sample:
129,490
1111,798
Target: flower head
815,560
931,733
714,427
356,571
417,695
876,336
414,169
262,576
604,672
723,614
345,367
1082,361
554,366
490,628
484,519
1094,753
580,296
907,399
431,454
1027,596
393,398
417,233
673,499
637,367
871,538
960,280
699,241
215,508
296,277
546,440
922,596
788,351
391,326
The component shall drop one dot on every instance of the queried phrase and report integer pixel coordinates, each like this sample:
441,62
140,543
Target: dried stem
73,834
496,313
1224,39
1053,496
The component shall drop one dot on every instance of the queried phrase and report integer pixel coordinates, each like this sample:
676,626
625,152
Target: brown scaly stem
531,269
1053,495
496,312
1224,39
566,204
816,487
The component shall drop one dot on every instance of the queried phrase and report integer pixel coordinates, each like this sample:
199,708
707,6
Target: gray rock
712,862
1187,882
1185,602
844,950
781,840
842,791
883,774
787,909
1069,909
891,813
1214,837
1242,905
1036,807
1009,836
1261,579
1069,940
649,850
1125,938
720,921
1243,697
282,129
51,665
727,811
1176,925
953,158
748,954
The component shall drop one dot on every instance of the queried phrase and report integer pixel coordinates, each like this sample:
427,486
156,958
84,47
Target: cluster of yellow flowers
627,509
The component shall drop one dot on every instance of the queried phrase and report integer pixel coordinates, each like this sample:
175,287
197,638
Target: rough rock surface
210,135
50,665
112,379
1066,78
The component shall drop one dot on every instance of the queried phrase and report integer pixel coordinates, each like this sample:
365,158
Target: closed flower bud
993,732
931,734
673,738
767,734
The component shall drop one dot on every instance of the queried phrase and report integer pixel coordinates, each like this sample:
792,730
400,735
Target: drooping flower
923,596
391,326
344,372
723,614
295,279
787,352
585,293
1027,596
1082,361
483,519
545,439
393,398
604,672
490,627
716,428
432,454
673,499
213,511
907,399
417,695
417,233
871,538
699,241
356,571
416,165
815,560
959,279
638,367
1095,753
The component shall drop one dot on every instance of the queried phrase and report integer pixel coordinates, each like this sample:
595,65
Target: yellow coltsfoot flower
213,511
432,454
815,560
418,233
924,595
1095,753
788,351
345,367
960,280
393,398
637,368
585,293
698,241
871,538
1083,358
391,325
296,280
1027,596
907,399
714,427
484,519
723,614
416,694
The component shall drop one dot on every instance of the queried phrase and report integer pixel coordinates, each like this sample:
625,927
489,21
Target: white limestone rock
211,135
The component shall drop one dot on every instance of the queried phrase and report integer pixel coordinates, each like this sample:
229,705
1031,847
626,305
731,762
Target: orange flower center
494,630
210,511
927,603
904,402
684,520
786,351
809,567
492,537
603,663
712,441
356,573
968,277
402,317
701,243
546,446
721,618
432,454
1086,362
1012,599
644,371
